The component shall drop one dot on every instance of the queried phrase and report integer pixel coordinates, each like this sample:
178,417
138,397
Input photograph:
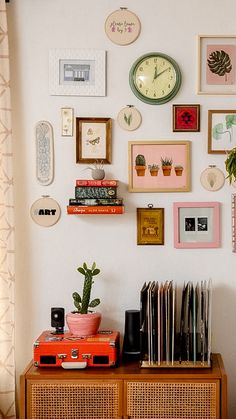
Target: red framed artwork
186,118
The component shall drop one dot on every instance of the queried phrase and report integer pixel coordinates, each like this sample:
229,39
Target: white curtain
7,272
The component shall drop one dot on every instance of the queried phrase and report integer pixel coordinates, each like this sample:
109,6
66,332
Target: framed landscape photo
216,65
93,140
196,224
77,72
221,131
186,118
150,226
159,166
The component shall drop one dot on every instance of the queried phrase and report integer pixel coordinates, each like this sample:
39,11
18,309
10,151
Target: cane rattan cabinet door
54,399
172,399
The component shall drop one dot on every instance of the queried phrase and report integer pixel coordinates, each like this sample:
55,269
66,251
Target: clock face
155,78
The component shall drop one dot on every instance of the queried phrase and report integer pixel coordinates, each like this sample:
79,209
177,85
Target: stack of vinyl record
95,197
175,335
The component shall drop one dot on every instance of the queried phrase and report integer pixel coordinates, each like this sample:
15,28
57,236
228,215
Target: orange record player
72,352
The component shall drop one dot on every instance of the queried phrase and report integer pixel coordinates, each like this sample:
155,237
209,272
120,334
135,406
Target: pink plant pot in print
83,324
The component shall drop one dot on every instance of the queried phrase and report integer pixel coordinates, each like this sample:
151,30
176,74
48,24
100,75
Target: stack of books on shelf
96,197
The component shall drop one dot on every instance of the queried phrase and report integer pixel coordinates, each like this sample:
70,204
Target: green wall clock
155,78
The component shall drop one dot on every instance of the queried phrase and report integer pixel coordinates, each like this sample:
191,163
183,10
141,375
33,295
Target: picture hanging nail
212,178
44,152
45,211
67,119
129,118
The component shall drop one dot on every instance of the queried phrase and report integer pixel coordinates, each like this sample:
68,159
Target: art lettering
45,211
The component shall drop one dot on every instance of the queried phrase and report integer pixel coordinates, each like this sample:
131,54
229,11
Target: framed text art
122,26
150,225
216,65
221,131
186,118
159,166
196,224
93,140
77,72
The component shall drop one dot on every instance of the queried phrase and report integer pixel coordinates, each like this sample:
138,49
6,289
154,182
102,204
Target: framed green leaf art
221,131
217,65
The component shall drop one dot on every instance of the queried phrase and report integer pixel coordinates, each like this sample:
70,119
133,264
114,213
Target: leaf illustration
219,63
217,131
128,119
230,120
211,177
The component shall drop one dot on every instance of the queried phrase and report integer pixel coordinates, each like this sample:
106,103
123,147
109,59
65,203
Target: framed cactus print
216,65
221,131
159,166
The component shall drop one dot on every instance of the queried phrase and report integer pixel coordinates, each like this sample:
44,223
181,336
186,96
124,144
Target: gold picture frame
93,140
150,226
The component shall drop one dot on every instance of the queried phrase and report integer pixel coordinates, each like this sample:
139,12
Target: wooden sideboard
126,391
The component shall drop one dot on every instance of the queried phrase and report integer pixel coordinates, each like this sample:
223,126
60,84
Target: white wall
47,258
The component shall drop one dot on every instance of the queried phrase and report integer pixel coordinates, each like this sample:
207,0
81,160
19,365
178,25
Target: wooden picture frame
221,131
93,140
196,225
186,118
77,72
159,166
216,65
150,226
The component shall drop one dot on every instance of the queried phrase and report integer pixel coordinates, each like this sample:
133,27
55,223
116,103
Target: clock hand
158,74
155,74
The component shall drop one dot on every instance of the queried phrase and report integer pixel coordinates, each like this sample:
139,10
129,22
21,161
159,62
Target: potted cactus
83,321
179,170
140,165
166,164
153,168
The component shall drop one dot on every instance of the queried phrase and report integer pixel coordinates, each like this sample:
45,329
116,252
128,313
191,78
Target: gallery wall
47,258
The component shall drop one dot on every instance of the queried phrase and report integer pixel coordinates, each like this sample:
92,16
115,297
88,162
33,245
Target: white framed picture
77,72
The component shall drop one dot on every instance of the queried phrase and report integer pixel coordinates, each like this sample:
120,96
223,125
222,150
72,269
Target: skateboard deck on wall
44,152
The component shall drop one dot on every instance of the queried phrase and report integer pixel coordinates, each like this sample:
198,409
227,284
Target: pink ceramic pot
83,324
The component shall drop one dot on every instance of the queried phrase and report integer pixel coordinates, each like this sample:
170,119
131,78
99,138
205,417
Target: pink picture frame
196,225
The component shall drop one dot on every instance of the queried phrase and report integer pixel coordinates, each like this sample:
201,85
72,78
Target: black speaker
58,319
131,345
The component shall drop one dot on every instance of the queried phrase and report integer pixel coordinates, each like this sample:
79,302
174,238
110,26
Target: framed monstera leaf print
216,65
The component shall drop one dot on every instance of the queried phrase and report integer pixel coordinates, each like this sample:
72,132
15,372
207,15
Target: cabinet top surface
128,371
